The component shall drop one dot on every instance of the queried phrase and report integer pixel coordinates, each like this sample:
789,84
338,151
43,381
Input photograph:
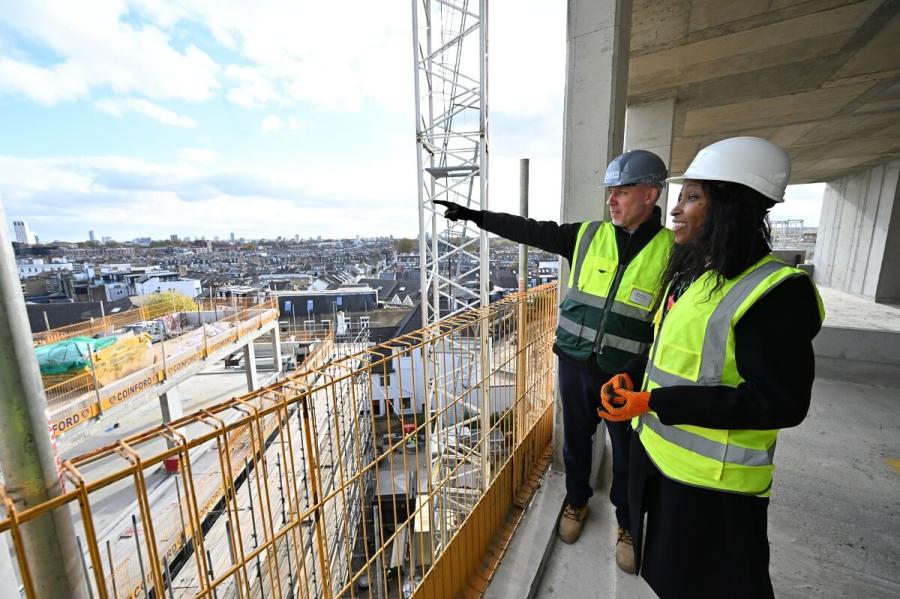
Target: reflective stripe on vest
739,461
722,452
715,340
610,305
587,237
611,340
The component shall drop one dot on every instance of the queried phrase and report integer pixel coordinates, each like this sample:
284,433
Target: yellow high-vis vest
609,306
694,346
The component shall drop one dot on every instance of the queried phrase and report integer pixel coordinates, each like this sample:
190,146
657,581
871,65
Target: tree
406,246
158,304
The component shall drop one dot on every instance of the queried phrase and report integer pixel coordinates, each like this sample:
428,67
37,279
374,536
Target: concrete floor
213,385
834,519
846,310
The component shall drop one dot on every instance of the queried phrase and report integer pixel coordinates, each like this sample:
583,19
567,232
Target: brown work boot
571,522
625,551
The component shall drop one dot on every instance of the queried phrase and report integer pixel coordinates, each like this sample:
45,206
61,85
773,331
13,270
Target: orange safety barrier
383,470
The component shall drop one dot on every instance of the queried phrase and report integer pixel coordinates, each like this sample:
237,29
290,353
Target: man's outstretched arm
545,235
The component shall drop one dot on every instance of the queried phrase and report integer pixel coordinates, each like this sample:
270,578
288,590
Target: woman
731,364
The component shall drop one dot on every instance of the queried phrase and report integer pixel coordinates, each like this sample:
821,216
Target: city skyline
137,118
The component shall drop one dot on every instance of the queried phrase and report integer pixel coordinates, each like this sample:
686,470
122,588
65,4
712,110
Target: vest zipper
610,298
656,338
624,260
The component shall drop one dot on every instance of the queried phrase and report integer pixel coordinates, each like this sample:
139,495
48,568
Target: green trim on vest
694,346
608,309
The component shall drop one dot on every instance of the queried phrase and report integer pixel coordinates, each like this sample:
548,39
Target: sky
271,118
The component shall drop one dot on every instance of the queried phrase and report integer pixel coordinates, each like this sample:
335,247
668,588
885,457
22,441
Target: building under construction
297,488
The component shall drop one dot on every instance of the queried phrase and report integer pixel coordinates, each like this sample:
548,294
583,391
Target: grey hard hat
636,166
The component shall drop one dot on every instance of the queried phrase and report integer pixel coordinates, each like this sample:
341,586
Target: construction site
430,465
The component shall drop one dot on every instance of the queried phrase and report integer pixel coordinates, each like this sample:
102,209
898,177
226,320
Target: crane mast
450,45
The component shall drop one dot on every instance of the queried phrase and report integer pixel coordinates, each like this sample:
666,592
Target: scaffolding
450,46
291,490
787,231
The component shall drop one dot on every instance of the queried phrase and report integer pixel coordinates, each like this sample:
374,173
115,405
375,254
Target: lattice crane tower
450,44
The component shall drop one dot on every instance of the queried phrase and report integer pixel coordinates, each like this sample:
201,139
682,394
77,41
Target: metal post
162,348
379,557
253,519
485,274
112,569
180,512
520,408
287,539
27,456
46,320
168,578
523,212
94,378
212,575
84,567
234,559
137,544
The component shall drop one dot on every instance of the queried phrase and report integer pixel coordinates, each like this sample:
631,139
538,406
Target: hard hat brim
681,178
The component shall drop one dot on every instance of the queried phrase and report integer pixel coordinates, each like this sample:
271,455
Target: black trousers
700,543
579,388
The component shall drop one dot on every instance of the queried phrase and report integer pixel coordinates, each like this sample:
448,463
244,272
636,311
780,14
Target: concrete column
597,35
8,585
858,243
28,455
650,127
171,407
250,367
276,349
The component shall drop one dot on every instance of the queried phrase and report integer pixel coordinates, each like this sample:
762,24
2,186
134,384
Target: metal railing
299,490
106,324
78,399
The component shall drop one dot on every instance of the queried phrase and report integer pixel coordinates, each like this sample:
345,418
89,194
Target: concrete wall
858,355
858,245
649,127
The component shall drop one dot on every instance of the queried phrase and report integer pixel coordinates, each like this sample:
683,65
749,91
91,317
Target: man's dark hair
735,234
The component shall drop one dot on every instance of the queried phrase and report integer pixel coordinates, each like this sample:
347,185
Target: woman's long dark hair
735,234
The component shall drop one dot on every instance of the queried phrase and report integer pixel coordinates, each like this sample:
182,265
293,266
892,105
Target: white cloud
118,107
527,58
132,197
252,88
283,59
801,202
95,48
198,155
336,56
271,124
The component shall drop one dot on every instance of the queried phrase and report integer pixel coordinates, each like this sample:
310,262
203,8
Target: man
605,317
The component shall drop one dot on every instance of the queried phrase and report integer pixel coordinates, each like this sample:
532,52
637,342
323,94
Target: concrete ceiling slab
820,78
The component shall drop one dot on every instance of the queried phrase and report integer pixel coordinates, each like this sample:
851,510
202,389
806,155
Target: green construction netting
71,354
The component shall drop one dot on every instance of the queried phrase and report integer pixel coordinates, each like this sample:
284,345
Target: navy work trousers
579,389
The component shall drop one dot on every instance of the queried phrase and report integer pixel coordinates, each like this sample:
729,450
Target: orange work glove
627,405
608,399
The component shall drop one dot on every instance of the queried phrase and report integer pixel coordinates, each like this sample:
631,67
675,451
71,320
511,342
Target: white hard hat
757,163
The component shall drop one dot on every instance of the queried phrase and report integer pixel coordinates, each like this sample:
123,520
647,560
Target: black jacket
720,538
560,239
774,355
